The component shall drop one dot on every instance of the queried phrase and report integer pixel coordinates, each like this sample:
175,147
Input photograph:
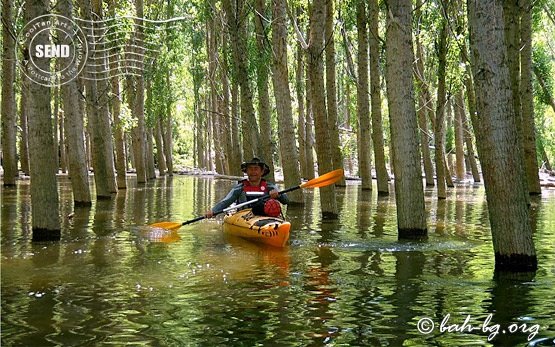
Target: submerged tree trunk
8,108
317,90
237,21
331,92
363,106
409,194
44,187
527,100
459,136
496,128
23,117
74,128
382,175
262,75
287,143
439,131
301,122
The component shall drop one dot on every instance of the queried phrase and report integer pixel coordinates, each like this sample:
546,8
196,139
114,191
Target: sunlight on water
114,280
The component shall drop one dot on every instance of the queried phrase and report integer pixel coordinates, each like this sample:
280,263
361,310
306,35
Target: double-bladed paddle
321,181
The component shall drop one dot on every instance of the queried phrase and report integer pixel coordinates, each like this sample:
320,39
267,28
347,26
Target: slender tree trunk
459,136
280,80
74,128
316,72
439,131
167,136
44,187
151,169
235,130
527,100
138,133
8,107
409,194
363,106
119,141
331,92
496,137
471,100
23,117
382,175
237,22
160,156
423,112
309,126
301,122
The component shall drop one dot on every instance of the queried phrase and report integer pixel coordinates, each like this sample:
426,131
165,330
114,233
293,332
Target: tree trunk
167,133
116,98
423,113
237,22
23,121
301,123
44,187
331,92
409,194
97,112
527,100
262,74
282,93
160,156
138,133
151,169
496,128
74,128
382,175
363,106
439,131
316,72
8,107
235,130
471,100
459,136
309,125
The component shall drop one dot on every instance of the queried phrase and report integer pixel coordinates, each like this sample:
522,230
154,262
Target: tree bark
301,122
527,100
331,92
282,93
138,133
496,128
23,121
317,90
44,187
409,194
74,129
439,131
262,76
237,22
382,175
363,106
459,136
8,107
119,139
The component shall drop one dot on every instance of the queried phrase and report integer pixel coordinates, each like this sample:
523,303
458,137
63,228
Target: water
114,281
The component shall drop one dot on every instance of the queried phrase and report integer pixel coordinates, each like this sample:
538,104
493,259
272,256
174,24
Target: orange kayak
262,229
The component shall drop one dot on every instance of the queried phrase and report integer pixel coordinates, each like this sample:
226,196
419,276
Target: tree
282,93
375,92
527,99
331,91
363,106
317,92
8,107
409,194
496,128
73,127
236,15
44,187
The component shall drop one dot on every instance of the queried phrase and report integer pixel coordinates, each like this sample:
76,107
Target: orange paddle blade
167,225
324,180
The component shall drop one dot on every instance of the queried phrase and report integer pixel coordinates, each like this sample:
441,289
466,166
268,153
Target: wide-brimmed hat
256,161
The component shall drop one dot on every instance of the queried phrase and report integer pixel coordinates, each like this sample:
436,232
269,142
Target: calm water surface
113,281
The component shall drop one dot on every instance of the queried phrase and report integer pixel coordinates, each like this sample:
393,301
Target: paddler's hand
209,214
274,194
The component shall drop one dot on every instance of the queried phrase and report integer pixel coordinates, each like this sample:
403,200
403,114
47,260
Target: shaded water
113,281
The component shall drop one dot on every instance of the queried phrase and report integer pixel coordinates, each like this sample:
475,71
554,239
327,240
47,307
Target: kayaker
254,186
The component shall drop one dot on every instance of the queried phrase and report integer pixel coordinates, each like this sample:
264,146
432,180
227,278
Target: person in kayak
254,186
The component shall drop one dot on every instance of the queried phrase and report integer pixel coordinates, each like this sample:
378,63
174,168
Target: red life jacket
253,192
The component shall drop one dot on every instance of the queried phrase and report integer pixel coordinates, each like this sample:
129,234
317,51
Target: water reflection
114,280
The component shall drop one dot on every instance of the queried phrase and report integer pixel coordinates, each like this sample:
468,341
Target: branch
300,36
